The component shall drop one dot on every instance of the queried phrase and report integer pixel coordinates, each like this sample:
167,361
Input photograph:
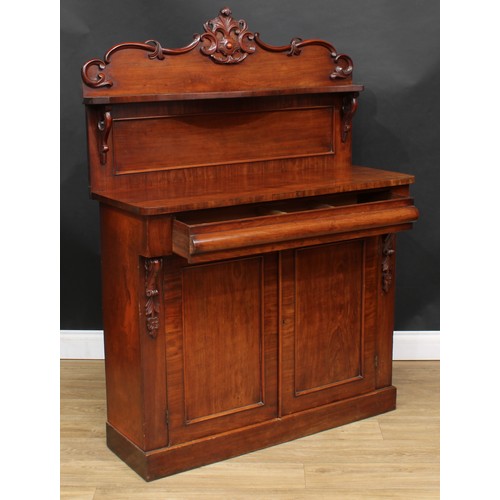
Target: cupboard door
221,334
328,323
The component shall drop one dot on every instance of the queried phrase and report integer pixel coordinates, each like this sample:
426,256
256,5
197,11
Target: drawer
249,229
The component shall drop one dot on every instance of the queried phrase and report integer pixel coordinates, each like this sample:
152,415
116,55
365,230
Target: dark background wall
395,48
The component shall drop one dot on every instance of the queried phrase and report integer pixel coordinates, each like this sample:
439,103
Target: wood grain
250,235
122,329
395,455
243,253
225,138
329,280
221,329
217,327
213,95
219,187
139,414
340,277
227,54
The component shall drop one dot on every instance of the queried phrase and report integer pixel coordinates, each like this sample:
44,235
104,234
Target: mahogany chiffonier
247,265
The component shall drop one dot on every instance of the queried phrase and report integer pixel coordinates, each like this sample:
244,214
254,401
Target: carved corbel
104,128
349,107
387,261
152,293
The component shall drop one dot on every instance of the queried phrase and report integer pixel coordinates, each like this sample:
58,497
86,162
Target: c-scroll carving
98,80
387,261
343,63
349,107
152,292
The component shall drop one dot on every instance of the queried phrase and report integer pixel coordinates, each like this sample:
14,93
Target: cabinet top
225,60
170,198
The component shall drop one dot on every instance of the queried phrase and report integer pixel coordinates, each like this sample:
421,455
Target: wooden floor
395,455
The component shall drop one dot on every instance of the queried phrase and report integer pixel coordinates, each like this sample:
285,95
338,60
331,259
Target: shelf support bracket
349,107
104,127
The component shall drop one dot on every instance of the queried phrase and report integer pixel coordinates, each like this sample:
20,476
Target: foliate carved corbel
349,107
387,261
104,128
152,292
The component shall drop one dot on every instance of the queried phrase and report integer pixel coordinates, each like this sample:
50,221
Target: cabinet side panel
120,278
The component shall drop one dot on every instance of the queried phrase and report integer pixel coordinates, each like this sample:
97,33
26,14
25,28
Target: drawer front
205,240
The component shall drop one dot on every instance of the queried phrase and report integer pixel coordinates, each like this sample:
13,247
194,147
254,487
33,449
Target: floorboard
395,455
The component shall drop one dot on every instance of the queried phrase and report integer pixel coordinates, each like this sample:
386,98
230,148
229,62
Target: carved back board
226,110
226,57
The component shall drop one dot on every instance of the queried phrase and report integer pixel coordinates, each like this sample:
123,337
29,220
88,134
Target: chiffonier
247,265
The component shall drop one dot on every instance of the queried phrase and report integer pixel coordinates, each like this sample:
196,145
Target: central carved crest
228,41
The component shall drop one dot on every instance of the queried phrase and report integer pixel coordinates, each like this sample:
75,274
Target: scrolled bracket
349,108
387,261
152,294
104,127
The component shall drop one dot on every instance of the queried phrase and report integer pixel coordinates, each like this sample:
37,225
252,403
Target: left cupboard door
221,344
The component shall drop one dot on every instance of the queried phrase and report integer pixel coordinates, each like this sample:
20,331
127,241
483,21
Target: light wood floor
395,455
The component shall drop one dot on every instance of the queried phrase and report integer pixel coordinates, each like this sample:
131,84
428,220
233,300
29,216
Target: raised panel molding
207,290
408,345
339,333
221,345
166,145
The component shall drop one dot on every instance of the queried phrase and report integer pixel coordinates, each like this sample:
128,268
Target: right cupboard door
328,330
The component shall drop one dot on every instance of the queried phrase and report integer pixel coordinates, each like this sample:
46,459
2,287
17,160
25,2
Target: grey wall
395,48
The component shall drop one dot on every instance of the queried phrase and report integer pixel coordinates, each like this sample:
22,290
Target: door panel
221,345
222,339
328,323
328,328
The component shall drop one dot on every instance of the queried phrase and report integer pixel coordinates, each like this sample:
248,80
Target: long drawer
245,230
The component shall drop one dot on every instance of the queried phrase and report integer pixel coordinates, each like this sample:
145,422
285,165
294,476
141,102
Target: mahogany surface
217,191
222,345
231,94
248,266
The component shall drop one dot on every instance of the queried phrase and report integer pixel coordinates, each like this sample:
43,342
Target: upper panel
227,58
